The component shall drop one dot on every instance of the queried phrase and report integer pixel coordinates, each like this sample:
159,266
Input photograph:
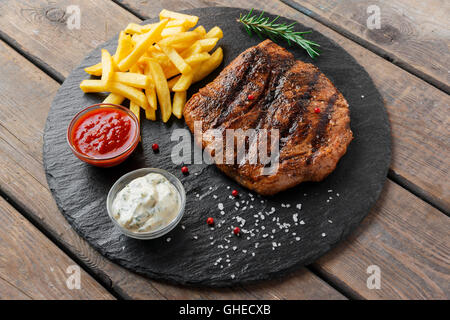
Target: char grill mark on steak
257,63
319,136
295,117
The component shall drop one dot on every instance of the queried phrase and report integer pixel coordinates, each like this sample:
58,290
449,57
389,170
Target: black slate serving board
195,253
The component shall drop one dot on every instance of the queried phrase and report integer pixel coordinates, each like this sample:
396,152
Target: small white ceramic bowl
127,178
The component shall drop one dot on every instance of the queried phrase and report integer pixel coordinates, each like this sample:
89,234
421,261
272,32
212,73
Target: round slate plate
194,253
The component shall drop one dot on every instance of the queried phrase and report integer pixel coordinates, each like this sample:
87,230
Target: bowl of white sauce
146,203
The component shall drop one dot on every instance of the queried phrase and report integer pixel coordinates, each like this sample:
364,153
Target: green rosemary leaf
262,26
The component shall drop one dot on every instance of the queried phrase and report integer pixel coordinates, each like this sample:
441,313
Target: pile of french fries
153,60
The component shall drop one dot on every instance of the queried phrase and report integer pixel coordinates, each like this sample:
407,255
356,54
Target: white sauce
146,203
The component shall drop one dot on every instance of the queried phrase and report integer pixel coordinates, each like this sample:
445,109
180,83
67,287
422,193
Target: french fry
171,31
176,59
162,89
179,23
179,100
93,86
166,14
133,94
136,110
137,37
133,79
95,70
107,67
197,58
114,99
180,39
193,49
170,71
215,32
124,47
208,44
209,65
183,82
150,37
173,81
201,31
150,114
150,93
133,28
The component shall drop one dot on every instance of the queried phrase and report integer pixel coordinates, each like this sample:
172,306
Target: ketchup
103,133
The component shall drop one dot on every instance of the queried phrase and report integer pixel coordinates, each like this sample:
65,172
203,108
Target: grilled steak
266,88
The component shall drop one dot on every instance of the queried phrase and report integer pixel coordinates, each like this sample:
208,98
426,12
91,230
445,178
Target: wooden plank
412,34
21,83
404,236
32,267
418,112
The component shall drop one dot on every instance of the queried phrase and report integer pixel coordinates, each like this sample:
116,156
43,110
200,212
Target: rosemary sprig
263,26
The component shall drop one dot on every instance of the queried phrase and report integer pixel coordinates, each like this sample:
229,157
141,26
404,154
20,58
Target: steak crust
286,92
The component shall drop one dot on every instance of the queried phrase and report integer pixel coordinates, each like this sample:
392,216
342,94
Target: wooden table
406,234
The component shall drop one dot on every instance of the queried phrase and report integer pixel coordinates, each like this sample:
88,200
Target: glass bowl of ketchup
103,134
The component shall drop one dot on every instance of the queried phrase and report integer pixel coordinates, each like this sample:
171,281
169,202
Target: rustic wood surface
32,267
411,33
404,235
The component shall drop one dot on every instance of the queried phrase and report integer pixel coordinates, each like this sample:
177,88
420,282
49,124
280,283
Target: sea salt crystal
297,238
244,251
295,217
168,239
214,196
232,276
324,234
330,221
195,237
234,248
220,206
253,254
288,205
330,190
265,235
237,204
183,227
222,212
302,222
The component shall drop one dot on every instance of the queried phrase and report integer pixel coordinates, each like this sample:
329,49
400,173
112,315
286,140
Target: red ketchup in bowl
103,135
